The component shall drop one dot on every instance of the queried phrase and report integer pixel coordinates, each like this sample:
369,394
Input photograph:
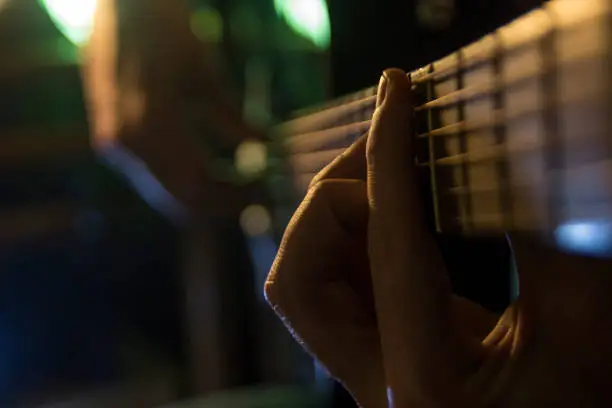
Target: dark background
368,36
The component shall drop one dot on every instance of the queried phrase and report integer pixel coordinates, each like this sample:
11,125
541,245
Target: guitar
513,132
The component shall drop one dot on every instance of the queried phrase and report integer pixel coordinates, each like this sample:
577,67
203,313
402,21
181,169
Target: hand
360,283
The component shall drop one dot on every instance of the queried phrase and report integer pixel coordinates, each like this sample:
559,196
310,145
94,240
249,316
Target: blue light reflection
588,237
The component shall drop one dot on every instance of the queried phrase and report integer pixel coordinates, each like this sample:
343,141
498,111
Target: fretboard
514,130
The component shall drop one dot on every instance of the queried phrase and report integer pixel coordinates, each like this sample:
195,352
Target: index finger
411,289
351,164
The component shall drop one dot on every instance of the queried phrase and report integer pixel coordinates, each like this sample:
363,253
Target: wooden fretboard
515,130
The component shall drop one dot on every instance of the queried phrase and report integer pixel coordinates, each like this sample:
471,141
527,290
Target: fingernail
382,90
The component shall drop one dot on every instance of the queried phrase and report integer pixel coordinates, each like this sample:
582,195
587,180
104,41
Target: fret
329,138
587,122
522,113
324,119
516,36
553,157
503,165
511,80
314,161
355,96
433,181
466,202
607,86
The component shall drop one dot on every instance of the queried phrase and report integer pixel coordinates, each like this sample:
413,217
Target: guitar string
472,128
450,100
323,119
420,77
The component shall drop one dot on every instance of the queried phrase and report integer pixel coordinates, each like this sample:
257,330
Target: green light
74,18
309,18
207,25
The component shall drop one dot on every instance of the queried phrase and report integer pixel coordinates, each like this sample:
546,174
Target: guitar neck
514,130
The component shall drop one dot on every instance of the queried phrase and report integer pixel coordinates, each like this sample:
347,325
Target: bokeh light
587,237
435,14
255,220
251,158
308,18
74,18
207,25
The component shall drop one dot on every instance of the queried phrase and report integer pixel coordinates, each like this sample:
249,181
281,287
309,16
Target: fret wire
525,190
423,76
331,136
608,87
476,92
552,152
463,146
501,133
358,102
333,104
432,157
482,155
453,129
475,61
453,98
494,153
324,118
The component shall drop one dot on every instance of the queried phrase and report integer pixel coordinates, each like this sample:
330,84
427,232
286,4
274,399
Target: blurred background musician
150,81
99,293
165,112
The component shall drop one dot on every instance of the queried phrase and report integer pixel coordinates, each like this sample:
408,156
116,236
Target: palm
360,281
547,346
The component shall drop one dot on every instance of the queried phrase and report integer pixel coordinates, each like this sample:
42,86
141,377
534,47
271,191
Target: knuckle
284,299
272,293
319,193
319,187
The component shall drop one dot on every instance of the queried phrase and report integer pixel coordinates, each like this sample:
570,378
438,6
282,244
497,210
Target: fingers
319,281
318,239
349,165
411,291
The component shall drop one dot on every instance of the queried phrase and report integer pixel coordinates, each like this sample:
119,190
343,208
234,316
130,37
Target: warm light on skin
99,77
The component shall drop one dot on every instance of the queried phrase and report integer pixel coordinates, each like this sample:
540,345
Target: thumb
411,290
